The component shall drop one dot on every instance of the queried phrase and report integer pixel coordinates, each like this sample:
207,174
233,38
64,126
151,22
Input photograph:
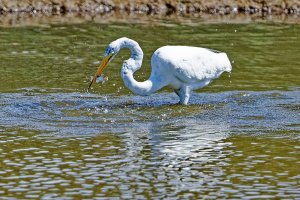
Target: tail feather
227,63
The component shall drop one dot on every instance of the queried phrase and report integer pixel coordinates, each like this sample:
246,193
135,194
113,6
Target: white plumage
182,68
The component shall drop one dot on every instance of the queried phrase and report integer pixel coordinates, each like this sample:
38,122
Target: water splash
83,113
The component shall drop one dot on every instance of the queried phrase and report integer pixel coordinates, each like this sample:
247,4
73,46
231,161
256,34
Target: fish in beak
101,68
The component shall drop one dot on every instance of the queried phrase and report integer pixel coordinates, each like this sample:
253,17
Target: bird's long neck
132,65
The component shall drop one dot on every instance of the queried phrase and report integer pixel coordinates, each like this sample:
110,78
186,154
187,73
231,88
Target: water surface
239,138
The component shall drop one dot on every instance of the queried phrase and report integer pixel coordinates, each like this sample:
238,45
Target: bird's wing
193,64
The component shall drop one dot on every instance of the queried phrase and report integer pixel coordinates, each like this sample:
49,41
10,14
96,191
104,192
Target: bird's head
111,51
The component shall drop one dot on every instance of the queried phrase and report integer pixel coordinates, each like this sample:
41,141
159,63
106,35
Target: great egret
183,68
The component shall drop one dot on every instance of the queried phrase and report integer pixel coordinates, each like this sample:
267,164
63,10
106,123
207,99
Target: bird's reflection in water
179,141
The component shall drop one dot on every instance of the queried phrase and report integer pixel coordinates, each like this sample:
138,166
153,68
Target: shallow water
239,138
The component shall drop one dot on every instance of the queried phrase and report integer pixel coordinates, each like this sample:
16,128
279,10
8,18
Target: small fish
101,79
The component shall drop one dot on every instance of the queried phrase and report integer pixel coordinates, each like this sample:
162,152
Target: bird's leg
184,95
177,92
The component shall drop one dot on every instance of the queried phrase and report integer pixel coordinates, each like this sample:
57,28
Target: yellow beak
101,68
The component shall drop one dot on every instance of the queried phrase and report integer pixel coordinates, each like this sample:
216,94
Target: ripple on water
217,147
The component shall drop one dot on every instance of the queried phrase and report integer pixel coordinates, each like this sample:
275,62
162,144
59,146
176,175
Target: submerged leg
184,95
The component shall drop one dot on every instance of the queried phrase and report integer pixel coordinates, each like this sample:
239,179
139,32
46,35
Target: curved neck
136,51
132,65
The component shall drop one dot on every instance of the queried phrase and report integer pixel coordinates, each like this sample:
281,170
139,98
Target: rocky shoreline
15,10
152,6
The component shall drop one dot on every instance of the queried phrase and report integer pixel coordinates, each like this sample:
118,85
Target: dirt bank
35,12
152,6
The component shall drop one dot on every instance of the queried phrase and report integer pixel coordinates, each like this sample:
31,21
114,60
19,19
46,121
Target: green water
239,138
265,57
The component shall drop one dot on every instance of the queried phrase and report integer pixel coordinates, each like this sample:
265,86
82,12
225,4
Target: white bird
182,68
